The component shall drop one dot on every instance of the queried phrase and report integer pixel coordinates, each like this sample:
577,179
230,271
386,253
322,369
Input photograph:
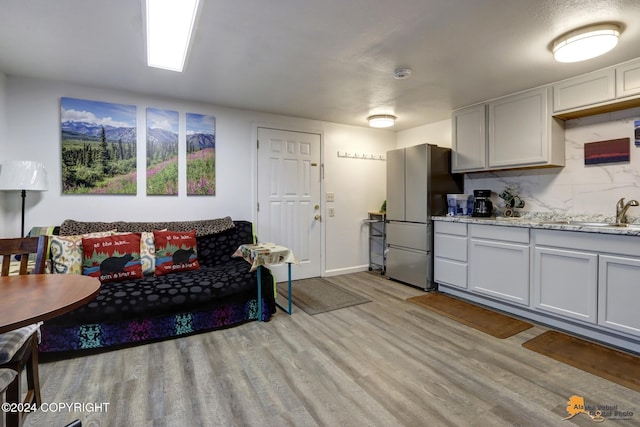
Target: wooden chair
19,348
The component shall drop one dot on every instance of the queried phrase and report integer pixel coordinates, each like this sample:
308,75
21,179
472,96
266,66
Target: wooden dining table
32,298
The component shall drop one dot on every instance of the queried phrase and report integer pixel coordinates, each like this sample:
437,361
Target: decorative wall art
162,152
201,154
611,151
636,129
98,147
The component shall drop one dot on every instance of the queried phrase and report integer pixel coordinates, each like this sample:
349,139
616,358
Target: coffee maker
482,206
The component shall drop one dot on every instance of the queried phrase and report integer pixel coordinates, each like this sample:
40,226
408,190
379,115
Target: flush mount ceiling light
586,43
381,120
169,27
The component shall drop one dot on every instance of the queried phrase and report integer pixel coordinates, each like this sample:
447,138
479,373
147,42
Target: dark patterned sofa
222,293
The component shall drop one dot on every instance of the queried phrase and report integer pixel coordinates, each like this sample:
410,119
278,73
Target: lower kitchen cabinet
499,262
565,282
450,254
619,293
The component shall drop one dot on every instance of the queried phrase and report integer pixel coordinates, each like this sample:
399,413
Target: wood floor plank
383,363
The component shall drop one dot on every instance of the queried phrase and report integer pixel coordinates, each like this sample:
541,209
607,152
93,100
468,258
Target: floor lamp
23,175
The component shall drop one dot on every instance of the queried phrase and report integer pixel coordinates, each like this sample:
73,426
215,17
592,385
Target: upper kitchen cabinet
584,90
628,79
520,133
610,89
469,131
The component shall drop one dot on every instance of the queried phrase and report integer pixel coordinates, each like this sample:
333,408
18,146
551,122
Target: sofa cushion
202,227
66,252
175,251
172,293
112,258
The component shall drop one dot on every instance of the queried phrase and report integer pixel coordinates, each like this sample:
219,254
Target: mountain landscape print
201,154
162,152
98,147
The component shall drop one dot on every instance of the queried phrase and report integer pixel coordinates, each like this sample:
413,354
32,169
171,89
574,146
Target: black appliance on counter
482,206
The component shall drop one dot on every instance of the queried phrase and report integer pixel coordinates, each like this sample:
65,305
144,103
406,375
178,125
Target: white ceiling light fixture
586,43
170,24
381,120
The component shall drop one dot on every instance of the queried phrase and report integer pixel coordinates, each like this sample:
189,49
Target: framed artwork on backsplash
98,147
611,151
162,152
201,154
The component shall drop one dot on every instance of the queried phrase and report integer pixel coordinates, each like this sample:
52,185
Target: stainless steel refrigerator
418,180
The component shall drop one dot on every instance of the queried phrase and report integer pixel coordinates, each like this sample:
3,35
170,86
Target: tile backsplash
575,189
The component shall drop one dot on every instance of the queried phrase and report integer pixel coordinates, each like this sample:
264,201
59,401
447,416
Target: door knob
317,217
316,207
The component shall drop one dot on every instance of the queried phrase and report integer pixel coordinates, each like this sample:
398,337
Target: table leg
259,293
289,309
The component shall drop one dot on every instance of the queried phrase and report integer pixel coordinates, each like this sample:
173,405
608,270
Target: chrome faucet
621,210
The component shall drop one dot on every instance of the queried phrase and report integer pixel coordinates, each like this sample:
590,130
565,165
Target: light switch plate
332,211
330,197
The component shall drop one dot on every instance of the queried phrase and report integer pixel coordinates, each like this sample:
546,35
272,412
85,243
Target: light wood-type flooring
383,363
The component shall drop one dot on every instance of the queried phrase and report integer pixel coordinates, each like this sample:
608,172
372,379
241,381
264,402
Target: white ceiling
330,60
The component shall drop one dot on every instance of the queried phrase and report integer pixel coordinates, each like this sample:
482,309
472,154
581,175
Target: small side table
266,255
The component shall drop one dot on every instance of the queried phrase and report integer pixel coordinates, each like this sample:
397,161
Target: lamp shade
381,120
586,43
23,175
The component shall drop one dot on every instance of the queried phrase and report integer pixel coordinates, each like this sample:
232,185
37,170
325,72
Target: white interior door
289,197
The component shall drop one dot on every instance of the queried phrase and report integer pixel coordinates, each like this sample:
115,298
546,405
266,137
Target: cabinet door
619,293
518,130
469,139
628,79
585,90
565,283
499,270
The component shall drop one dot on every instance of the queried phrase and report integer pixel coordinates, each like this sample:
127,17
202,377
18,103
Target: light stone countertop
553,222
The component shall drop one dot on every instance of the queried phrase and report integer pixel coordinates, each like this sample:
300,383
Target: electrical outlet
332,212
330,197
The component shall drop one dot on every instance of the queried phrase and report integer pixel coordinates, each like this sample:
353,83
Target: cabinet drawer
457,228
497,232
450,272
450,246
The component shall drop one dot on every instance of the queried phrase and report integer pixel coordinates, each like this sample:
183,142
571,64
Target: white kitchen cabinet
628,79
565,282
499,262
469,139
515,131
522,132
450,254
584,90
619,293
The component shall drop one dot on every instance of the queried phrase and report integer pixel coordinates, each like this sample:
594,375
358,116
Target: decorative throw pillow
147,251
175,251
66,252
112,258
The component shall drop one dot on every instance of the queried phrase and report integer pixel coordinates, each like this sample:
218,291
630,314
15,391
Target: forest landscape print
98,147
162,152
201,155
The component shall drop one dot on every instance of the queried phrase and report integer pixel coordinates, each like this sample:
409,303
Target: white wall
33,133
576,189
437,133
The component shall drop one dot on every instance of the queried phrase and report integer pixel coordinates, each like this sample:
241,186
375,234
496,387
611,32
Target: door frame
254,191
